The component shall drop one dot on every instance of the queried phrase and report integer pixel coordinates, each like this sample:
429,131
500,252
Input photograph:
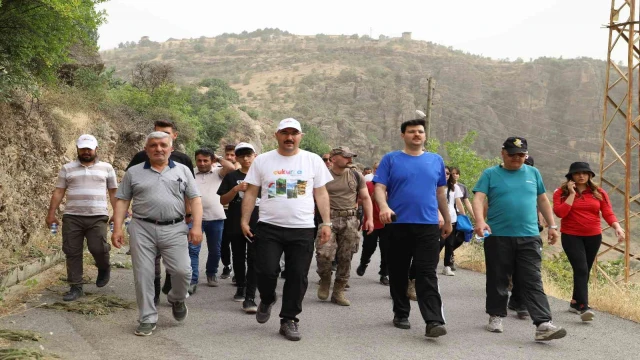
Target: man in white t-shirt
291,179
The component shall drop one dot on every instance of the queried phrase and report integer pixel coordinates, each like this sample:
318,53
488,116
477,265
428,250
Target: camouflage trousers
344,242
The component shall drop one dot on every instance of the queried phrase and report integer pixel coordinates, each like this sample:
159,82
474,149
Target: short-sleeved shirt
465,191
287,187
412,182
86,187
176,156
343,189
451,201
208,184
232,226
158,195
513,199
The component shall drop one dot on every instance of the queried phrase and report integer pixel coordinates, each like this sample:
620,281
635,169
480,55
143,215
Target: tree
37,35
313,140
471,164
150,76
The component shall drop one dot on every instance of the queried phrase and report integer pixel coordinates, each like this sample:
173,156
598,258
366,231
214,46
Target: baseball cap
344,151
515,145
87,141
289,123
244,145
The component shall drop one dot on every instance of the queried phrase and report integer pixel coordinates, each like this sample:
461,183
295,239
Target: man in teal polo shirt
514,246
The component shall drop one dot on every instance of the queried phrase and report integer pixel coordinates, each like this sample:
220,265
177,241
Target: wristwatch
553,227
325,224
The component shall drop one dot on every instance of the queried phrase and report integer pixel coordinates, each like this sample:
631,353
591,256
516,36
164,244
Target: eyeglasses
520,155
325,159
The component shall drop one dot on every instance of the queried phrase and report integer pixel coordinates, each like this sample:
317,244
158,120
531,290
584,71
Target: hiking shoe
495,324
212,280
239,296
167,285
384,280
587,314
179,310
145,329
103,277
547,331
401,322
156,296
361,269
249,306
289,329
226,272
192,289
447,271
75,291
323,289
434,330
264,312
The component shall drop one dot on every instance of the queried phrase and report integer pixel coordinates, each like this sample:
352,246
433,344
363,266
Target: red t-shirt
376,210
582,218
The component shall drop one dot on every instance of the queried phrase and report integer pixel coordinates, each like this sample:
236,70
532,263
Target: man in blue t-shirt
513,192
410,187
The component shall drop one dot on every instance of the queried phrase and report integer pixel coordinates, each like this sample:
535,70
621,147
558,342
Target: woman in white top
454,196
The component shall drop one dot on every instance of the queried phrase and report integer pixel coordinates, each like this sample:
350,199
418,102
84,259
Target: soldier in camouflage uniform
343,191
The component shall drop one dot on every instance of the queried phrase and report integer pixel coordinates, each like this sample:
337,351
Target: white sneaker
495,324
547,331
447,271
587,315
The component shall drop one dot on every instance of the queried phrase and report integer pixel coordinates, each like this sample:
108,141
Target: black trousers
369,244
297,244
450,244
244,255
225,245
522,258
581,251
420,242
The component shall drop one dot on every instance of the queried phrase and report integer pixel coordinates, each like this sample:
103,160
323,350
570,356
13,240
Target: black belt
343,213
162,222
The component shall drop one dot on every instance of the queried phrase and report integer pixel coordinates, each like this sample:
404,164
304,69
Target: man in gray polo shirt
158,188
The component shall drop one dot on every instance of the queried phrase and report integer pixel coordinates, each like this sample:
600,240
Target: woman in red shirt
579,203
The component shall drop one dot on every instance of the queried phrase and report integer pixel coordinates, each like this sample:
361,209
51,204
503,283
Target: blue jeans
213,231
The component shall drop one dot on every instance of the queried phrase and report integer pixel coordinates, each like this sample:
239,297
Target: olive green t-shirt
343,189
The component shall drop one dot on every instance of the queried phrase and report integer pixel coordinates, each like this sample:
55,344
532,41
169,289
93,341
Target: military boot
323,290
338,293
411,290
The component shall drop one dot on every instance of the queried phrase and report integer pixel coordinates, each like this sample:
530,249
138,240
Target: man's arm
467,204
227,166
248,204
368,209
380,196
321,196
479,212
545,209
441,194
119,211
56,200
195,233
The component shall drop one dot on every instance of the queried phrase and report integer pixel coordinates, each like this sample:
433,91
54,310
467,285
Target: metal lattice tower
621,127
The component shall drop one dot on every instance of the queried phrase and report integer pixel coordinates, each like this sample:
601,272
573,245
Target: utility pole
431,87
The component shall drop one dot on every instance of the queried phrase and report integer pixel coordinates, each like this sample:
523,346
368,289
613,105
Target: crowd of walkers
265,215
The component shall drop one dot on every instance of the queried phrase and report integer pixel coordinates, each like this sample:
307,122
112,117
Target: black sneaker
167,285
289,329
226,272
239,296
384,280
75,291
145,329
435,330
249,306
179,310
156,297
361,269
103,277
264,312
401,322
233,280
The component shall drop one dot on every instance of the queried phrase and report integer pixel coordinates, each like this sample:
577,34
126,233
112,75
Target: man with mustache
85,181
345,188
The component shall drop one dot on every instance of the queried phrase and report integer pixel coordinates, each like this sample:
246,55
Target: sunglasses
520,155
325,159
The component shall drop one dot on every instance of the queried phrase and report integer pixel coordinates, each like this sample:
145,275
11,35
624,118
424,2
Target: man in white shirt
208,179
291,179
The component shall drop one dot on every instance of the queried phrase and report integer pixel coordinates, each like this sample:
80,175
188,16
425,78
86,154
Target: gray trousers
146,241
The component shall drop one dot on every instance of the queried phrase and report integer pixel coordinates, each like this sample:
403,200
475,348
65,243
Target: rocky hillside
358,90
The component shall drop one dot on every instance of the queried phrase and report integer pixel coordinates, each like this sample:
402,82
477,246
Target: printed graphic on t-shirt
291,189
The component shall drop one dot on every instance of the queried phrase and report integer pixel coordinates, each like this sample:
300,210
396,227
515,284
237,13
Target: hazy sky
496,28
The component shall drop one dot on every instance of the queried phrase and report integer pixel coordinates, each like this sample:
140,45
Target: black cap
528,160
515,145
579,167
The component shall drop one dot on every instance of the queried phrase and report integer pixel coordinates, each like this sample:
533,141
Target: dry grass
470,256
15,354
19,335
100,305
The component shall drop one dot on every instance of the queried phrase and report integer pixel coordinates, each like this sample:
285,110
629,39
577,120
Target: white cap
87,141
289,123
244,145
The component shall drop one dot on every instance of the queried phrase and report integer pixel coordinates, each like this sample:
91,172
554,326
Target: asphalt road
217,328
